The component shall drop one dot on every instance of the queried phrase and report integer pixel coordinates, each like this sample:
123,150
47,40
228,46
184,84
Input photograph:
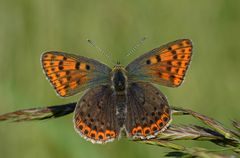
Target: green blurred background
28,28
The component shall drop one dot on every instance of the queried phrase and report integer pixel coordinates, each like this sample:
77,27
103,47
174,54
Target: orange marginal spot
134,131
93,134
80,125
146,131
113,134
160,123
101,136
108,134
139,130
165,117
86,130
154,128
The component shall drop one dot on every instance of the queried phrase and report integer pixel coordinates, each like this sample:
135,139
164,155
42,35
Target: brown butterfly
118,99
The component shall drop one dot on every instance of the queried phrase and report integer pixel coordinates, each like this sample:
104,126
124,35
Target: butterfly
121,99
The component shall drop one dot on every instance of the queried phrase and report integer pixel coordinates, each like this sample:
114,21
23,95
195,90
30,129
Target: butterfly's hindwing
148,112
95,115
70,74
165,65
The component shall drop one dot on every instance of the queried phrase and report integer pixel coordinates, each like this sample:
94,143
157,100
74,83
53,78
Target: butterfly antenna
100,50
136,46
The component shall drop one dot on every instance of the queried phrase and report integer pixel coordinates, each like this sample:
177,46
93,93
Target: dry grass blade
236,124
218,134
38,113
208,121
191,132
214,132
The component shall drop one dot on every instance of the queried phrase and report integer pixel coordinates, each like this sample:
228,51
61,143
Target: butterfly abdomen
121,108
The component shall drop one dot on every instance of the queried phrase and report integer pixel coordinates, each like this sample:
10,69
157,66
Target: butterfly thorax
119,86
119,79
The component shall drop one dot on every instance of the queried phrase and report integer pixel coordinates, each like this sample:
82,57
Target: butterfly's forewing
70,74
148,112
95,115
165,65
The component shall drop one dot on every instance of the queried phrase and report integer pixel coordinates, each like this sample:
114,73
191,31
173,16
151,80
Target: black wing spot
147,131
153,113
87,67
158,58
174,52
60,67
86,132
92,135
165,119
61,63
160,124
77,65
67,72
80,127
168,68
64,58
148,62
